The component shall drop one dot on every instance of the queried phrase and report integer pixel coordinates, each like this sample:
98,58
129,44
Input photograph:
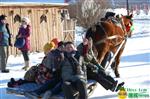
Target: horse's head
127,20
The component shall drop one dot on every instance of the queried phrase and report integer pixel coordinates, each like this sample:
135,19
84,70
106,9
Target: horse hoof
117,76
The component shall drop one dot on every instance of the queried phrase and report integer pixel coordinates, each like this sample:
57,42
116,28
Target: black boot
119,86
5,71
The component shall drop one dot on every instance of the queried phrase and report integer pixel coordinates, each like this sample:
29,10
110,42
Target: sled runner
22,89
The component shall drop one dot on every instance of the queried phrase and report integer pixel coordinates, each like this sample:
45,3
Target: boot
26,65
119,86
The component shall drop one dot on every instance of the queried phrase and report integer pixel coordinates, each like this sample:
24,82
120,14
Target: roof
23,4
48,1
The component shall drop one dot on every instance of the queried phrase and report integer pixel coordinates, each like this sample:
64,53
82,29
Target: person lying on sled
52,62
94,70
73,73
35,72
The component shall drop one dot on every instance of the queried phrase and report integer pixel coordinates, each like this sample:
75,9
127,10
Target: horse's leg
117,62
106,59
129,34
102,50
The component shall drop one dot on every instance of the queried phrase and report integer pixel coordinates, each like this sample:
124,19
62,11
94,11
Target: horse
107,37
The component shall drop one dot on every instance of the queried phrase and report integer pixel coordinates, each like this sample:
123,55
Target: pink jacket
25,33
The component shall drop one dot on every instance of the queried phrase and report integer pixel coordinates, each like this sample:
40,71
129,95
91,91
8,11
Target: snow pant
3,57
69,89
25,55
49,85
101,77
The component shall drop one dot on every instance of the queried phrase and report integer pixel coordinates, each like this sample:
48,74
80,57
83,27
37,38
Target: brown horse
107,37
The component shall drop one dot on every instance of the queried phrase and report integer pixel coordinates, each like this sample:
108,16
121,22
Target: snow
134,66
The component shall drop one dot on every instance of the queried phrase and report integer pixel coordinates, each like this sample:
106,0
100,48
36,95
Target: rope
108,38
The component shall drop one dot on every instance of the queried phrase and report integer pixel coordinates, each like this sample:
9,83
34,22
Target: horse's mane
98,28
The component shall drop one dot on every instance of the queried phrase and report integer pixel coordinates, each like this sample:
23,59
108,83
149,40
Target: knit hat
56,41
61,43
48,47
26,19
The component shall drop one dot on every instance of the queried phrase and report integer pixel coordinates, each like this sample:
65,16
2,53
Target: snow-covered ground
135,63
134,66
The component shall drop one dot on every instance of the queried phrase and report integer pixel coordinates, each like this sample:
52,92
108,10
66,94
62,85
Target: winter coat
43,74
4,35
89,57
53,62
25,33
88,54
72,69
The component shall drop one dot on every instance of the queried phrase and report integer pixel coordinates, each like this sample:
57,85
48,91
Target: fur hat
26,19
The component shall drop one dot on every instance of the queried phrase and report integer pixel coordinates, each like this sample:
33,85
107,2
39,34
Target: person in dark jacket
73,73
5,41
24,33
109,14
94,70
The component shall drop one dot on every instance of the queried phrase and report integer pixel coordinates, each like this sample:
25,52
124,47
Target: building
48,20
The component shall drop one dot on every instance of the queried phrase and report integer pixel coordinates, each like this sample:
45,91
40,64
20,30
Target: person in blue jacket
5,41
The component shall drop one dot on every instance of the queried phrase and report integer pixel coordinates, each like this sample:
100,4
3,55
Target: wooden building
47,20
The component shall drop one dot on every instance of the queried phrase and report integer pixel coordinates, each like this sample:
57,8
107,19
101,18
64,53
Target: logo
122,93
133,93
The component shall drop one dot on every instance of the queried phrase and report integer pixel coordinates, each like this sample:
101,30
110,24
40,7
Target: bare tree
88,12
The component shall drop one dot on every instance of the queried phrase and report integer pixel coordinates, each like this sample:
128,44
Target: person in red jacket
24,33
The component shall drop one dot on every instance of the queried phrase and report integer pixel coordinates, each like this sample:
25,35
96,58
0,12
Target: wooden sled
20,90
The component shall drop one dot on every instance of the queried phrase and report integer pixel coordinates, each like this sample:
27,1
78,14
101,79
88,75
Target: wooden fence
69,30
46,24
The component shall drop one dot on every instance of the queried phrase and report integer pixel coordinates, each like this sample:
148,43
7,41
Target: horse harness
113,36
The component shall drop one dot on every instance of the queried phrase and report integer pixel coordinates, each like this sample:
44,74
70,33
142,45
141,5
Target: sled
22,89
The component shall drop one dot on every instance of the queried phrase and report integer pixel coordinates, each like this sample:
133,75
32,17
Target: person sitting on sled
73,73
52,86
94,70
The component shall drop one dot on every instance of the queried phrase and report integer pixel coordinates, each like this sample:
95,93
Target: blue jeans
54,85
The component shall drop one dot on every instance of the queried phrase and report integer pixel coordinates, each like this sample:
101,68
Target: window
43,18
17,18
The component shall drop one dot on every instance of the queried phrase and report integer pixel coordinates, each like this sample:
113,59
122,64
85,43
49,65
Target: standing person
5,41
24,33
73,73
94,70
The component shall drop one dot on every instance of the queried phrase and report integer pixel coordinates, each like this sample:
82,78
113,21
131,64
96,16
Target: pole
127,7
116,53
